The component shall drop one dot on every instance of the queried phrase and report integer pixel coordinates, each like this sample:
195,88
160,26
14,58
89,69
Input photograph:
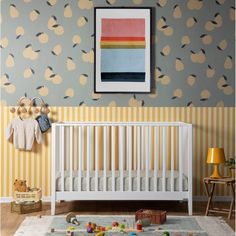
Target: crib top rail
121,123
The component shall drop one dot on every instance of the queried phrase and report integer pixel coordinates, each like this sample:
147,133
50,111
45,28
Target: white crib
121,161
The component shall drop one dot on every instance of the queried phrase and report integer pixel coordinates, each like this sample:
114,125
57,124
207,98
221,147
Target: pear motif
57,79
28,72
205,95
67,11
4,42
43,90
88,56
34,15
206,39
70,65
179,65
177,14
166,50
137,2
96,96
42,37
19,31
210,72
82,21
83,79
195,4
228,64
14,13
191,80
232,13
10,61
57,49
11,88
222,45
191,21
85,4
69,93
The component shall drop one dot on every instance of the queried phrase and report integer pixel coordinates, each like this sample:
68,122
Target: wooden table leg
210,195
232,201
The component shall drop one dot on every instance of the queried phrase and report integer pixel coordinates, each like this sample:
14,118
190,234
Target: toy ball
166,233
108,228
132,234
88,224
122,226
93,225
89,229
100,234
115,224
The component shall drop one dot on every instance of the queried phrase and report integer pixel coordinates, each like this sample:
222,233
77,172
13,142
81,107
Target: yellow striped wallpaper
212,126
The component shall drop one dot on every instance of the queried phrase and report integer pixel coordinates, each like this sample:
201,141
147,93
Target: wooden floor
11,221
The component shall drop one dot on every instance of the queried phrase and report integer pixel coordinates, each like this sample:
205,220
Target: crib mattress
117,181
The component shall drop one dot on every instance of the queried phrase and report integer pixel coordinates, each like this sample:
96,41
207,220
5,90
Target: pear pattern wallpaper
47,50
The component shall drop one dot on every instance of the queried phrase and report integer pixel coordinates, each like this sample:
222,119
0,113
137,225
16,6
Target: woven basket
26,207
155,216
30,196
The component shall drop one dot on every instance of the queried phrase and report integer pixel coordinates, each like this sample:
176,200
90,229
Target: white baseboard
195,198
9,199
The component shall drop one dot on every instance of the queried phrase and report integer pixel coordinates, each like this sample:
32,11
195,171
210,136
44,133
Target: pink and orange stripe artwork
123,33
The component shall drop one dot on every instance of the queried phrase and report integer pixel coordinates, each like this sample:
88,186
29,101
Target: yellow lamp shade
215,156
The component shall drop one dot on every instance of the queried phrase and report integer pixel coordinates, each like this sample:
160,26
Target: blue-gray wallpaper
47,50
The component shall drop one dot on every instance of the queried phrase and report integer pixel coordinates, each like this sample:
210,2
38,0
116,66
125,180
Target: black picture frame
101,86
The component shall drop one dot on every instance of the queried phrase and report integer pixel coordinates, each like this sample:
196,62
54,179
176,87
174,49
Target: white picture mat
123,86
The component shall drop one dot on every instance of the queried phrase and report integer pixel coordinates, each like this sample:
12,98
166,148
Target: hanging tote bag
42,119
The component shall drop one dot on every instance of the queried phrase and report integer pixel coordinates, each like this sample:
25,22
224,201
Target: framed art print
122,50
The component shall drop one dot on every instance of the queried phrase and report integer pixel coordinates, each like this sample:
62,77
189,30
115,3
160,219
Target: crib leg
53,206
190,206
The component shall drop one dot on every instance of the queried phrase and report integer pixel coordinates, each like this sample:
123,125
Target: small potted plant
230,163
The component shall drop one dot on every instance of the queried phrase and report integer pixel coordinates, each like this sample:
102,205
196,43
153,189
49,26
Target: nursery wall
47,50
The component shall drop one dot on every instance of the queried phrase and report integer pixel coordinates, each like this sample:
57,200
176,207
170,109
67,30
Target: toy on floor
71,218
166,233
70,231
20,186
132,234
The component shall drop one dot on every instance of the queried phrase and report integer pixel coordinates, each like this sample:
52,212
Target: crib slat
172,160
80,158
180,158
130,156
164,160
113,157
121,156
146,158
135,148
71,156
142,148
88,159
96,157
150,148
62,144
155,157
138,155
104,158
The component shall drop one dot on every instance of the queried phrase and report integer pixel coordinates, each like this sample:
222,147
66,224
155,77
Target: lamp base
216,174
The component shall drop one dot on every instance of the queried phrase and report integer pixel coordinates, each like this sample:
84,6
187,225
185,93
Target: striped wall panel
212,126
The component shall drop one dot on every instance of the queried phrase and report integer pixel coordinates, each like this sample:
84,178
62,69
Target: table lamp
216,156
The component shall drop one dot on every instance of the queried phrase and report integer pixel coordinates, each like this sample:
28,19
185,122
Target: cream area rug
175,225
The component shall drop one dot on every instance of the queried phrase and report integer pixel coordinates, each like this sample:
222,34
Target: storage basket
26,207
155,216
30,196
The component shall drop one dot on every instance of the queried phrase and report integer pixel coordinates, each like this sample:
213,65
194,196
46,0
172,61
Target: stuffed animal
20,186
